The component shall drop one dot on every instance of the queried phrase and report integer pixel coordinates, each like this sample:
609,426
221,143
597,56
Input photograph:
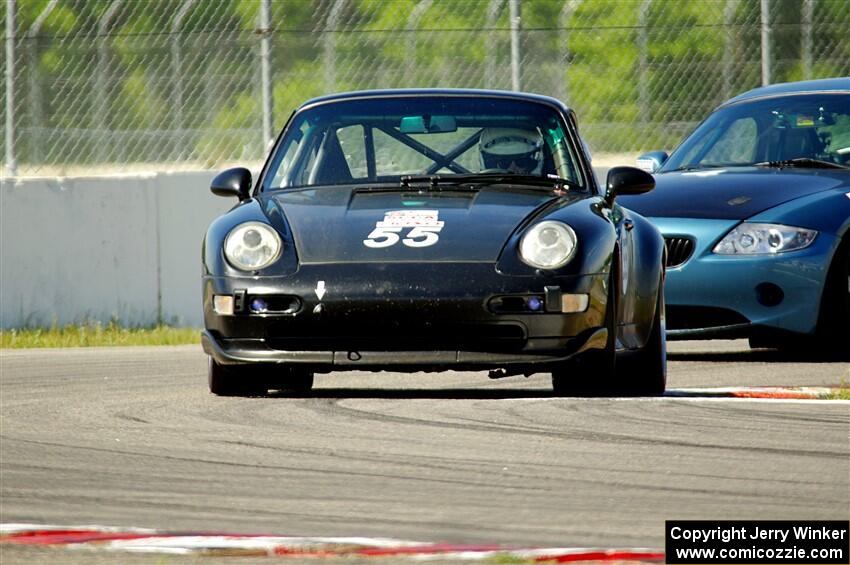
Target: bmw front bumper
736,296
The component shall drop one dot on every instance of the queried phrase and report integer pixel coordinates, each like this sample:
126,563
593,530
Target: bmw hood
731,194
343,225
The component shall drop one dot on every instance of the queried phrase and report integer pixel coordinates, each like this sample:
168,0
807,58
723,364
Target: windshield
381,140
782,128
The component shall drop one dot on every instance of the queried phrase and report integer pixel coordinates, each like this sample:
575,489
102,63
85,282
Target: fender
649,261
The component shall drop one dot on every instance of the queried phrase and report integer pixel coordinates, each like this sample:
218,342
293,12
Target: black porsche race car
432,230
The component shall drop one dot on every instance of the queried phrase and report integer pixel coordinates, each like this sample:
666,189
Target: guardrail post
643,60
765,43
329,45
266,70
806,39
104,142
11,164
177,70
515,61
729,49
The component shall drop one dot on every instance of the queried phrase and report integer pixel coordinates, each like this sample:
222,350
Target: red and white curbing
137,540
754,392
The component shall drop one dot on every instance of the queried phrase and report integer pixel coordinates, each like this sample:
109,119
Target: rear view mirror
826,118
428,124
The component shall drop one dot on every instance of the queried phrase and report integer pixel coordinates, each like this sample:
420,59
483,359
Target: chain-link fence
170,83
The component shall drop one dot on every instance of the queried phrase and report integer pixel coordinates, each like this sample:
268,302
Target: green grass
839,394
842,391
95,335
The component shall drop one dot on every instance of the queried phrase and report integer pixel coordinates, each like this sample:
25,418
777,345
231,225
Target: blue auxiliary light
259,305
534,303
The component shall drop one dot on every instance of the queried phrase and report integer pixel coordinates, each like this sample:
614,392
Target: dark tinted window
382,139
815,126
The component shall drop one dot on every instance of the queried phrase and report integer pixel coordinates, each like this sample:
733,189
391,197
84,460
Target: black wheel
645,371
592,373
233,381
289,379
833,334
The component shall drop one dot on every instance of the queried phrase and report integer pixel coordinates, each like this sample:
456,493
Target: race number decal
414,228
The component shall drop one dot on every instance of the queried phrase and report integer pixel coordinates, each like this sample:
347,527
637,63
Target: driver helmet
511,149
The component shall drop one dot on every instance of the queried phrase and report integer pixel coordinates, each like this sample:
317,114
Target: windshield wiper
802,163
695,168
474,181
432,182
420,184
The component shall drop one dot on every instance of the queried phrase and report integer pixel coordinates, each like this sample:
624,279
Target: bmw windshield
808,130
386,140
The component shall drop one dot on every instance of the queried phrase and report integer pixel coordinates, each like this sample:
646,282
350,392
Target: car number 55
420,236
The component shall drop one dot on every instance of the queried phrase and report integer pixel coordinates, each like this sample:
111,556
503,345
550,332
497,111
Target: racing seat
331,166
801,142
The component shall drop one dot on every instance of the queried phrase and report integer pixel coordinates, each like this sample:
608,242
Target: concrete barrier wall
96,249
125,248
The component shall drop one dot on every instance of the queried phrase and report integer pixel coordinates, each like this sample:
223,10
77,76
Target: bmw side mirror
627,180
232,182
651,162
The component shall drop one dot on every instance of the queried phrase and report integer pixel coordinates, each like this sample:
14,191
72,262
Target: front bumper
405,316
726,296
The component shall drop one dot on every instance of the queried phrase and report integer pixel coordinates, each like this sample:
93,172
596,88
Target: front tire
592,373
233,381
644,372
832,333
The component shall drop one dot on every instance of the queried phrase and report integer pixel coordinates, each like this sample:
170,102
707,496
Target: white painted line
679,398
810,401
9,529
268,543
814,391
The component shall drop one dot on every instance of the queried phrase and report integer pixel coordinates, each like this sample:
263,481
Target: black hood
330,224
731,194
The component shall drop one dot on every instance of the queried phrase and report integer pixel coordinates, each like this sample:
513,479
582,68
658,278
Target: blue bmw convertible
754,207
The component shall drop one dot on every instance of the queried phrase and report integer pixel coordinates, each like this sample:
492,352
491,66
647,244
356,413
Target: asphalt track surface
131,437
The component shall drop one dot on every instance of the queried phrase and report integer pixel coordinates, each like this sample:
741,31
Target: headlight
548,245
252,246
763,239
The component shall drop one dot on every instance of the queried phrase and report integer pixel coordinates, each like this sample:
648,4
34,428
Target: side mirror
652,161
232,182
627,180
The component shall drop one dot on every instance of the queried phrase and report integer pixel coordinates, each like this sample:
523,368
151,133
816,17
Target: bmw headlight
749,239
252,246
548,245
